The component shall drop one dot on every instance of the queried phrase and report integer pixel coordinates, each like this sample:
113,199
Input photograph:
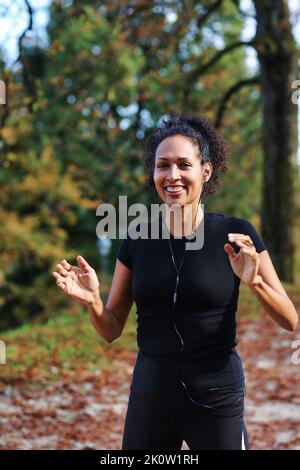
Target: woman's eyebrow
178,158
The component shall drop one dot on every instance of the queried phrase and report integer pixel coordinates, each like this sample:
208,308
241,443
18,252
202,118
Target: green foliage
75,126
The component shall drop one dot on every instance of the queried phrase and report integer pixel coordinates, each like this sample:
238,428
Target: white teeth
174,189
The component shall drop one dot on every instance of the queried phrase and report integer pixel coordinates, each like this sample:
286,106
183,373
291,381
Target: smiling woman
194,378
188,382
177,178
204,142
185,157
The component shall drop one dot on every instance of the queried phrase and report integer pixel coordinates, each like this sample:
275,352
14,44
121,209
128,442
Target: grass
62,346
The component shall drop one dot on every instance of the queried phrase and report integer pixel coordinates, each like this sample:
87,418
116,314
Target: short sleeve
124,253
238,225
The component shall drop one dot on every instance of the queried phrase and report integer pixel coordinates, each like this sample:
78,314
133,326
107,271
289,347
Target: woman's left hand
245,263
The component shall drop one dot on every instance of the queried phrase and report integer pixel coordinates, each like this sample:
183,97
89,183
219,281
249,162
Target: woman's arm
109,320
271,294
258,272
103,319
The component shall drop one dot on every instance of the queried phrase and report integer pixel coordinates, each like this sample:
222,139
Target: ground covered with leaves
64,401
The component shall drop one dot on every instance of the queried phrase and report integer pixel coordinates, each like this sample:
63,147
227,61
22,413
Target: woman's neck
182,221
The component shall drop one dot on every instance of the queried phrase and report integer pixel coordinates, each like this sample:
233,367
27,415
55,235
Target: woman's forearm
103,320
278,306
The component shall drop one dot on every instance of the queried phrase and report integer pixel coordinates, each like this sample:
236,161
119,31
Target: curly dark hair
211,146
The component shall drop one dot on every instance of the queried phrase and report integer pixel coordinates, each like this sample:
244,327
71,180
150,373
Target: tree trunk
278,59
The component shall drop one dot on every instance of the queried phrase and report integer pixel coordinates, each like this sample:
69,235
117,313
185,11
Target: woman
188,381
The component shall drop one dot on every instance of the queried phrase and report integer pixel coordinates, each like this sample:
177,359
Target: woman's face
178,173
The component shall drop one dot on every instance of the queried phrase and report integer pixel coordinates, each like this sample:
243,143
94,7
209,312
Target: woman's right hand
81,282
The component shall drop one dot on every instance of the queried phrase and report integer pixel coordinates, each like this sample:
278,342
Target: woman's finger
60,281
66,265
238,235
248,251
62,270
229,249
58,277
244,243
83,263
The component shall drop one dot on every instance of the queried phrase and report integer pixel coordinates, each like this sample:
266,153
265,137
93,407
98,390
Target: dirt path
89,413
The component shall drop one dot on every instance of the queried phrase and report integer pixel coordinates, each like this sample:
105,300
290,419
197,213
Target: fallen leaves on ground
87,410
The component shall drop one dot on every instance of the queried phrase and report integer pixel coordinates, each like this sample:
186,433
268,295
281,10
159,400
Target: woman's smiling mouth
175,190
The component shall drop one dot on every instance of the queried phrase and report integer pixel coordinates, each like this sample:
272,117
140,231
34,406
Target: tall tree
278,57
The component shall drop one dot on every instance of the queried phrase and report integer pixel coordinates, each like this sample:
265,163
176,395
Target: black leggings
163,423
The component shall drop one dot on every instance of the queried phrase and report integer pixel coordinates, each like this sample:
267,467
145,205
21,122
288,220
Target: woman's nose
174,173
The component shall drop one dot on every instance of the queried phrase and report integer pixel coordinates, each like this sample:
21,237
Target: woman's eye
181,164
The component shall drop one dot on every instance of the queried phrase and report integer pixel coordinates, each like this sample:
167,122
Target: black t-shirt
205,313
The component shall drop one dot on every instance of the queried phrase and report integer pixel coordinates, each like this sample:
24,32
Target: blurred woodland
79,110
